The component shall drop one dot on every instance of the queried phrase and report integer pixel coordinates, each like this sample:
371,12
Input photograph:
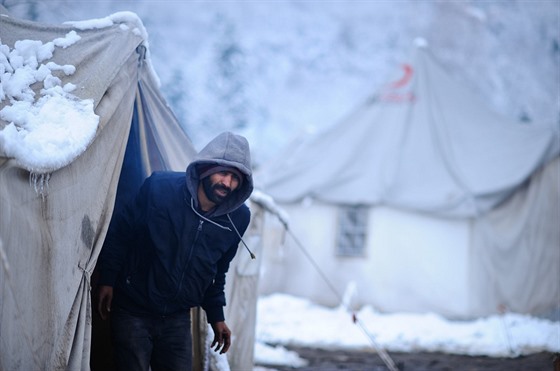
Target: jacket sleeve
215,298
121,236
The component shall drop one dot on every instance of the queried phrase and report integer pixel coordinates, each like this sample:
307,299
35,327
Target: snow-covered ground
287,320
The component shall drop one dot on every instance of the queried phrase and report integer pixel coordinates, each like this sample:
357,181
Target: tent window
352,229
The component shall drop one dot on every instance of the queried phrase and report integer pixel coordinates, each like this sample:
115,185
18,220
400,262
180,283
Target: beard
212,191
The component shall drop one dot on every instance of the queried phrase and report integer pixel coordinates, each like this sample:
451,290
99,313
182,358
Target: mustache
222,188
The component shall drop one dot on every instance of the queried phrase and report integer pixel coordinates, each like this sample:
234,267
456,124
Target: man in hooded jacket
169,250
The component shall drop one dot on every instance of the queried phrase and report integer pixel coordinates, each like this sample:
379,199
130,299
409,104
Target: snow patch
268,203
119,18
309,325
46,132
277,356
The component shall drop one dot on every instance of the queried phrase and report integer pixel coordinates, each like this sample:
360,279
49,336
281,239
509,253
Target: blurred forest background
275,69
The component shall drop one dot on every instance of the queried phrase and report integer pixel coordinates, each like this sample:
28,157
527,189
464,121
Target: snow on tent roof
52,79
424,142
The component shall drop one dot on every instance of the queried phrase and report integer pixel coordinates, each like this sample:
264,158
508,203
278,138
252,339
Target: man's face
219,186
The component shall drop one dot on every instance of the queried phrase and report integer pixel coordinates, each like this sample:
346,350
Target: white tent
51,235
462,205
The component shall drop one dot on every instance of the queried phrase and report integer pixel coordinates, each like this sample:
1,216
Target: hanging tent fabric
51,235
426,150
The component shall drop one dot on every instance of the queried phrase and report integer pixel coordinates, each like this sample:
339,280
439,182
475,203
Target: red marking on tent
398,97
405,79
399,90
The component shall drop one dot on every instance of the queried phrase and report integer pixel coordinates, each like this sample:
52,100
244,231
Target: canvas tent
51,235
460,206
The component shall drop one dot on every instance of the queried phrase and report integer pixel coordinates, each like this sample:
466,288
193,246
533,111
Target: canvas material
430,146
52,241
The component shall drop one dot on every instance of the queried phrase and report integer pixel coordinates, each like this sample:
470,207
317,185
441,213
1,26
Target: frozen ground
289,323
318,359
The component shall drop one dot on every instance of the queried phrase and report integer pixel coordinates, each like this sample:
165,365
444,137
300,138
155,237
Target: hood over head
226,150
207,170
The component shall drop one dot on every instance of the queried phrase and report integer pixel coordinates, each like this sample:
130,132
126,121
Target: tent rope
380,350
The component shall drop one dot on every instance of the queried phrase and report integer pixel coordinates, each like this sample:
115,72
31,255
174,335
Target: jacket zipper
187,263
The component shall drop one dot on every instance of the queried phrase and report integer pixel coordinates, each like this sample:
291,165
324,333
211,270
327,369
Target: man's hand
104,299
222,337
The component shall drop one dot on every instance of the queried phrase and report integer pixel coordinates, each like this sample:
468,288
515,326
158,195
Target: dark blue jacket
162,256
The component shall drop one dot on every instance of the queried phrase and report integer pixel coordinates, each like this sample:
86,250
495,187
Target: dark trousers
164,343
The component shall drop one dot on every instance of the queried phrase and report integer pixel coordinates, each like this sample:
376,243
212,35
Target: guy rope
382,352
